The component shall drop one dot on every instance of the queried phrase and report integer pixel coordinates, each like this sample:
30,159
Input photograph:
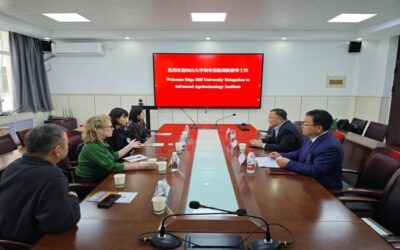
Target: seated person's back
34,197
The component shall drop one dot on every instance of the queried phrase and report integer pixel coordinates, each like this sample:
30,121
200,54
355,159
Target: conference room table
313,215
7,158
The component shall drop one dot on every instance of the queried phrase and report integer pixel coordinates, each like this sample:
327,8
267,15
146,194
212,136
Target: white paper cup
162,167
152,160
119,180
242,147
159,204
178,147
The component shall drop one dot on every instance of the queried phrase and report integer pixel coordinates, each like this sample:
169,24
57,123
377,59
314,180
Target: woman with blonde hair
97,159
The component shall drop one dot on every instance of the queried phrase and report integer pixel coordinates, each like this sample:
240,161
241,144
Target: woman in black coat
137,127
119,138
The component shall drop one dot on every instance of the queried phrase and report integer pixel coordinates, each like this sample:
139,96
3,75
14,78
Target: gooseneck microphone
197,205
265,244
220,119
190,118
163,240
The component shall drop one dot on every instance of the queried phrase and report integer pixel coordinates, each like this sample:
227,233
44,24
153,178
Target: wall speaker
355,46
46,46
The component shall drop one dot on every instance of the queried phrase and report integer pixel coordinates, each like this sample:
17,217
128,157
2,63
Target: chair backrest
8,244
379,167
387,212
376,131
74,139
298,125
7,144
360,125
338,135
21,136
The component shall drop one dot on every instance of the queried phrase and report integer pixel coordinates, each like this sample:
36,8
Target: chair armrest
393,239
345,199
350,171
359,191
396,245
79,186
14,244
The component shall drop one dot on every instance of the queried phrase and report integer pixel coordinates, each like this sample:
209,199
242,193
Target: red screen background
208,80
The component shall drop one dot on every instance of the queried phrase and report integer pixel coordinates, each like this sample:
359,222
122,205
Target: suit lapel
307,151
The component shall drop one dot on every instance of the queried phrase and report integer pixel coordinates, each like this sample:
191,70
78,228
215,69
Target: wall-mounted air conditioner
78,48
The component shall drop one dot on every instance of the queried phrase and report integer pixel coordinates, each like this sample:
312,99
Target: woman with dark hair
119,120
137,127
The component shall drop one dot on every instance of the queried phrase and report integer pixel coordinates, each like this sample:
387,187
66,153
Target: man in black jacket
34,197
285,137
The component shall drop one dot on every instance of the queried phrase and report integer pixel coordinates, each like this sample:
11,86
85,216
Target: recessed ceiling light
284,38
46,38
208,38
208,17
350,18
66,17
127,38
359,39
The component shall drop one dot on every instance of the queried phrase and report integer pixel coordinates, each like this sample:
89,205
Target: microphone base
167,242
264,245
194,127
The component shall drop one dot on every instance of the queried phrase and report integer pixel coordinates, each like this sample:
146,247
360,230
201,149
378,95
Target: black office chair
7,144
21,136
379,167
387,207
359,125
82,189
298,125
376,131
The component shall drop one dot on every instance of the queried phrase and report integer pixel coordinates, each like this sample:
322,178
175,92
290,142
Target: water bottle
186,132
160,189
174,162
251,162
183,140
232,135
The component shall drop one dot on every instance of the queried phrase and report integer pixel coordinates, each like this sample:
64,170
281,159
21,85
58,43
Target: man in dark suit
285,137
320,156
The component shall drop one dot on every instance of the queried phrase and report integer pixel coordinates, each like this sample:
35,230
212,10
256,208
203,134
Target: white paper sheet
126,197
134,158
266,162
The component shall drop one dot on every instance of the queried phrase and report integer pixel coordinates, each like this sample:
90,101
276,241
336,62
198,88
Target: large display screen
208,80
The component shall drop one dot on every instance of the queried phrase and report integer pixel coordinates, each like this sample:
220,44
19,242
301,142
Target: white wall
294,76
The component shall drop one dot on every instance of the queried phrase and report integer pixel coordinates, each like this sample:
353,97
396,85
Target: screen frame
208,107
